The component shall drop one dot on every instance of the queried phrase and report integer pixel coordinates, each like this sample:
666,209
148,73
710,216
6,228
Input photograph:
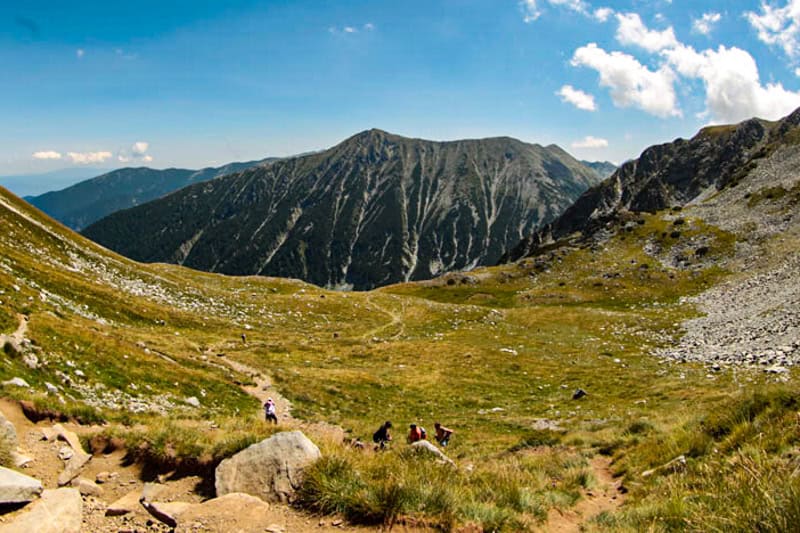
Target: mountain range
81,204
374,210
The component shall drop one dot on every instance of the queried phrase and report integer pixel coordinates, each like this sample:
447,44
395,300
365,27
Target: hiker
382,436
244,338
269,411
416,433
442,434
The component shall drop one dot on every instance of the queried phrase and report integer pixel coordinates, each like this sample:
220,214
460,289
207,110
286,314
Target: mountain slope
603,168
90,200
668,175
376,209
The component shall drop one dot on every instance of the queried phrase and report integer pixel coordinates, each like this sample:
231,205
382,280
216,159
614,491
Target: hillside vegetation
496,354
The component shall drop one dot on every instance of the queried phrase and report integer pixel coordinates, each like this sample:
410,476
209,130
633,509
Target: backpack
376,437
423,434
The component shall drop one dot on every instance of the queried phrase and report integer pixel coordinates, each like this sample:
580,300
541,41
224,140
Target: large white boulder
58,511
18,488
271,469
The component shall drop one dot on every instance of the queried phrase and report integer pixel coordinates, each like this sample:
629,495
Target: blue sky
197,83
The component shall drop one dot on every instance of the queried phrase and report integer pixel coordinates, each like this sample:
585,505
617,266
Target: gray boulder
18,488
271,469
58,511
7,431
428,447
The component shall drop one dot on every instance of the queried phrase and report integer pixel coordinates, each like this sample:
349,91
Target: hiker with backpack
416,433
269,411
442,434
382,436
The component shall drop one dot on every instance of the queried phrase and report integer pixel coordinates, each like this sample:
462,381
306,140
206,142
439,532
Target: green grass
488,358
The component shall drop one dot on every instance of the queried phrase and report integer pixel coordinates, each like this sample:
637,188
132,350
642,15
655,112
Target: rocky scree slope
81,204
374,210
743,179
666,175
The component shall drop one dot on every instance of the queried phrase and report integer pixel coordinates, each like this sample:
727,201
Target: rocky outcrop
666,175
18,488
271,469
58,511
374,210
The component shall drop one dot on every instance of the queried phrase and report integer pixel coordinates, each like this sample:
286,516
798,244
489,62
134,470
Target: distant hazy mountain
603,168
374,210
85,202
32,184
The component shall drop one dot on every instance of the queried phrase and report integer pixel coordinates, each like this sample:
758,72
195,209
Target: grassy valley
156,351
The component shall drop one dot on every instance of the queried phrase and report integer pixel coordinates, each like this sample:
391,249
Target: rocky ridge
374,210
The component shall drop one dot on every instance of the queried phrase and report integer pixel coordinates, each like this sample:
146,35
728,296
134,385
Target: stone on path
232,512
73,468
86,487
167,512
428,447
271,469
18,488
127,504
57,511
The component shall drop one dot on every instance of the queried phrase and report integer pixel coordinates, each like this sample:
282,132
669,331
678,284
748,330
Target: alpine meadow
325,330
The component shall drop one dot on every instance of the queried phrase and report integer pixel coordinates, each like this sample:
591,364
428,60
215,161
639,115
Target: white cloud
778,26
80,52
530,11
47,154
578,6
631,83
85,158
576,97
349,29
705,24
369,26
732,83
632,31
137,153
603,14
797,72
590,142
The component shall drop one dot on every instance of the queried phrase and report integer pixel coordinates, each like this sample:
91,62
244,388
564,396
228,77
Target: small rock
17,382
20,461
193,401
52,389
126,504
86,487
167,512
65,453
274,528
73,467
578,394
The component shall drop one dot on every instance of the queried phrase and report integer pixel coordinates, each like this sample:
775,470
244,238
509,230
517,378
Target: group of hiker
383,436
416,433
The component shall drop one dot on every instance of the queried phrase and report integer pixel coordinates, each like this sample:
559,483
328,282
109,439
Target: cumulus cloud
47,154
705,24
631,83
85,158
732,83
530,11
136,154
632,31
578,6
603,14
576,97
590,142
778,26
